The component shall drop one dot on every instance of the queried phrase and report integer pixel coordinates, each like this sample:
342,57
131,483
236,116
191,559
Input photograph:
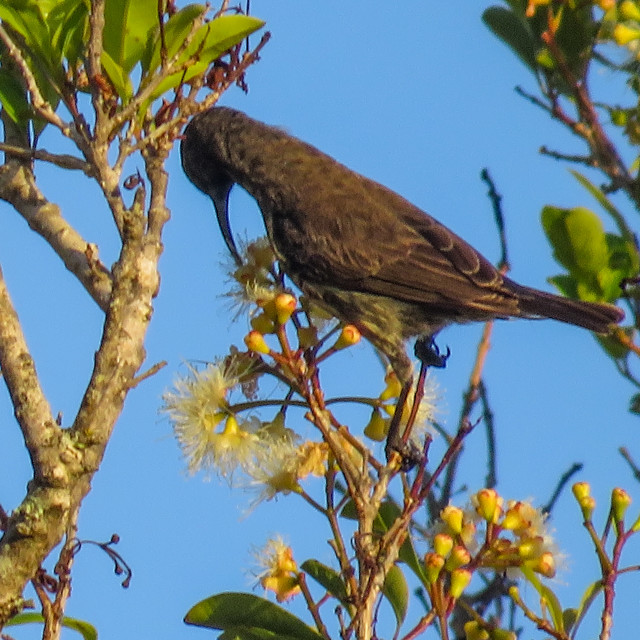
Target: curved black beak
220,197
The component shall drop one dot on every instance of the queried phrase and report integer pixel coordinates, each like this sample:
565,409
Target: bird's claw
427,352
410,455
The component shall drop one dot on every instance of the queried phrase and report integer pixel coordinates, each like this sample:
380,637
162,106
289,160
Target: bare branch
94,66
63,160
18,188
31,408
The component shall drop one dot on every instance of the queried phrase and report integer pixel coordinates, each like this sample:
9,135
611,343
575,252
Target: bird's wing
364,237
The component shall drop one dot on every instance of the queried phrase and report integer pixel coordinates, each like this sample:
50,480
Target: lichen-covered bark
64,460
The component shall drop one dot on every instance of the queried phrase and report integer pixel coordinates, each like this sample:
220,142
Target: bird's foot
427,352
410,454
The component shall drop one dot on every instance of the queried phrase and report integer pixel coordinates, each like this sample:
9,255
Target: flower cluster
493,534
214,438
488,535
279,571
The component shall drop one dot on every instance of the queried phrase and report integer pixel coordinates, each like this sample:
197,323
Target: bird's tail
594,316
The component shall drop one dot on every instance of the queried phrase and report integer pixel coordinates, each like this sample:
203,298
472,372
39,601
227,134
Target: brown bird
357,248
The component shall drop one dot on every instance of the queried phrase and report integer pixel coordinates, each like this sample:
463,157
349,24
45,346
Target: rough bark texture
64,460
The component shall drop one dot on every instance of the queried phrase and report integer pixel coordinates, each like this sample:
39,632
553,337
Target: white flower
274,468
196,406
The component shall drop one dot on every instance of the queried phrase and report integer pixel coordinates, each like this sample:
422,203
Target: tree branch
18,188
31,408
38,524
62,160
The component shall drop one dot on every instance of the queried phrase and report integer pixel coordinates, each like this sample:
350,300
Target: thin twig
63,160
496,200
578,159
576,467
147,374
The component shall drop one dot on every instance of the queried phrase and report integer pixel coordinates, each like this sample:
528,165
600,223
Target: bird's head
204,160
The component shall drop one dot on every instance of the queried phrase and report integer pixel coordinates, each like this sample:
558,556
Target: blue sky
418,96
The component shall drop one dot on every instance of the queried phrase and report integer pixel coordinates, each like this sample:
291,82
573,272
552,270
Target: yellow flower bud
545,565
530,547
458,558
460,579
629,10
473,631
623,34
255,342
349,336
377,427
516,517
285,305
587,505
488,504
393,388
620,501
581,490
442,544
452,517
433,564
283,585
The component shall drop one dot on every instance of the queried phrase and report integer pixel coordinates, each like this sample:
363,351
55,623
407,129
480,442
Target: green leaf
577,237
225,32
588,241
46,6
623,255
514,31
244,613
547,596
396,591
606,204
12,97
328,578
566,285
388,514
587,599
176,29
88,631
612,345
118,76
576,36
44,62
68,27
127,30
27,20
210,41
